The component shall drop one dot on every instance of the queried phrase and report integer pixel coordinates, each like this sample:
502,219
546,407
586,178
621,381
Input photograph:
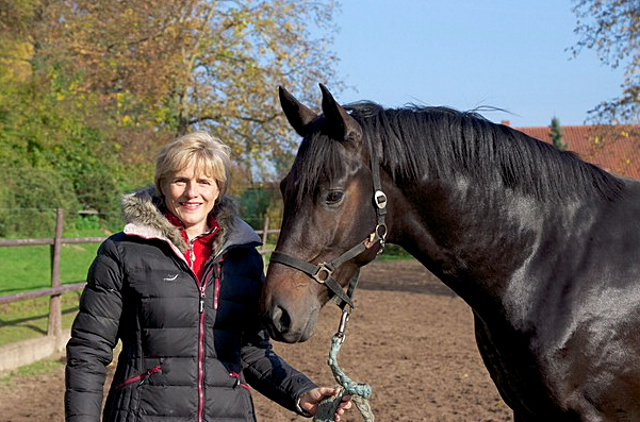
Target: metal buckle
371,240
323,272
380,199
340,334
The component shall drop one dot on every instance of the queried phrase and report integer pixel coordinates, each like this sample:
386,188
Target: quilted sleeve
93,336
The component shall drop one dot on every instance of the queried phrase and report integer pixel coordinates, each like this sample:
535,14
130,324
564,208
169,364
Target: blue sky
466,54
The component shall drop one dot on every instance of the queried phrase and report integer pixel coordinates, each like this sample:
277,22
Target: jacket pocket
141,378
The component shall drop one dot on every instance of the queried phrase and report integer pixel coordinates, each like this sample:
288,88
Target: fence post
55,308
265,233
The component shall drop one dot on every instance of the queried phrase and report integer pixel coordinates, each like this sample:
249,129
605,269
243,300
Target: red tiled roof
616,149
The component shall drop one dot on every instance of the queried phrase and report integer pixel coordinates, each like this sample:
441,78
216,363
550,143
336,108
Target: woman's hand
309,401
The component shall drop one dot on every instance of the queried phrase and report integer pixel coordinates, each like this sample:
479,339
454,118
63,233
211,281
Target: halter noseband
322,273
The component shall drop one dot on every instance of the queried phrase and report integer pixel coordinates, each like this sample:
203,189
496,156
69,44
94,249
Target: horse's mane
417,143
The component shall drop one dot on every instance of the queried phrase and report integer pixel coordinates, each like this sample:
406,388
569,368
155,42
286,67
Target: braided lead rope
359,392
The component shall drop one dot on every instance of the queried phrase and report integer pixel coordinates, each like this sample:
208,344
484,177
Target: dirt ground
409,337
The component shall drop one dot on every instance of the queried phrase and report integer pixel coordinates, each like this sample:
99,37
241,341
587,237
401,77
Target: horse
544,247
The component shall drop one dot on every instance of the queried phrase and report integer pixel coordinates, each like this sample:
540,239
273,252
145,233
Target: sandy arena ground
409,337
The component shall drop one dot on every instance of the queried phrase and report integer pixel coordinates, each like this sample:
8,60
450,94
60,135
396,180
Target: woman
180,288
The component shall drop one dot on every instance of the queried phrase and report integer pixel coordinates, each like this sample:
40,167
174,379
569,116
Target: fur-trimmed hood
143,212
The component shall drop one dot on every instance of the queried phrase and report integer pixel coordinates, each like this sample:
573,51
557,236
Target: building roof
615,149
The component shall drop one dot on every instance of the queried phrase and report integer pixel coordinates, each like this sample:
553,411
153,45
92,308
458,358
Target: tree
171,66
557,134
90,89
612,30
48,130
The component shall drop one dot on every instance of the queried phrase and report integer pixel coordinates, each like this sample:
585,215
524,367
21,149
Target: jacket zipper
202,290
202,287
141,377
216,291
216,286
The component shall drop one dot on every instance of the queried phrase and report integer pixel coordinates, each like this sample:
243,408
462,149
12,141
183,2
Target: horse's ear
298,115
345,127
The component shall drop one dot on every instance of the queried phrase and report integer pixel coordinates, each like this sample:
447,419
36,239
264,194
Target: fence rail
41,242
55,291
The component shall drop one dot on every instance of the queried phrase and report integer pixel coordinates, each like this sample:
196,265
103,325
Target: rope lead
359,392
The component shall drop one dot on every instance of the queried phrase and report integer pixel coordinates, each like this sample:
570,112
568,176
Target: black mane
414,143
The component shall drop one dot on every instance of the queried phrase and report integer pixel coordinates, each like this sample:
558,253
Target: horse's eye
334,197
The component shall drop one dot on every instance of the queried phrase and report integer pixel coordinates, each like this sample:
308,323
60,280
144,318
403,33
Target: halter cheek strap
322,273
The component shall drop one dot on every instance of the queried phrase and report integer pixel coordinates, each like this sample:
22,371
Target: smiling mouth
190,205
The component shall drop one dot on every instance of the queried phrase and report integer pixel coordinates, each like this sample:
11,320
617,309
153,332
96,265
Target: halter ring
381,231
323,272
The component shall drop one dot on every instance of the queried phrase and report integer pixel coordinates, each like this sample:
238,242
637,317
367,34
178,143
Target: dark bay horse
544,247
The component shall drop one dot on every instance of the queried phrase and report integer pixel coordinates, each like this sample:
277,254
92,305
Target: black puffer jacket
188,351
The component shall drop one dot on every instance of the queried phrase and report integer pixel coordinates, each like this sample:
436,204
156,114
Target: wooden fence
54,328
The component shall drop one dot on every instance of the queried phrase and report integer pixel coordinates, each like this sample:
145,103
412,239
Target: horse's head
328,208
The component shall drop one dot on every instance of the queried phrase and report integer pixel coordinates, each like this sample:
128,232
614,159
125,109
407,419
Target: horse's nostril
282,319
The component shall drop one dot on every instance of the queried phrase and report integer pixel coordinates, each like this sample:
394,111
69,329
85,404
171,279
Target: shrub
28,201
257,202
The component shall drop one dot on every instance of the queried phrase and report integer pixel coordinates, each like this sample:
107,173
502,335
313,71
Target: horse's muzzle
281,327
288,314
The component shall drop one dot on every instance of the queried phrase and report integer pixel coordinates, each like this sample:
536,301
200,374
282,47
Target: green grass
26,268
30,318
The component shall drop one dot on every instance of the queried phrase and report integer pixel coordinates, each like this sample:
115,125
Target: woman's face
190,196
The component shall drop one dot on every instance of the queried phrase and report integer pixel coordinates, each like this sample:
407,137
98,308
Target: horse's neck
473,239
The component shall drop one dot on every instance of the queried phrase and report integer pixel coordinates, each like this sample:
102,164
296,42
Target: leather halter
322,273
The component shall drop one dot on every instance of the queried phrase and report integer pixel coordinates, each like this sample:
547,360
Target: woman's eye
334,196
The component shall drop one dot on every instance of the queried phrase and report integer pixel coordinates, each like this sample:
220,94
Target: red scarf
200,249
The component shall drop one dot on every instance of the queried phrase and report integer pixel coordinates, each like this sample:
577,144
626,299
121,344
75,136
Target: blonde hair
207,153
